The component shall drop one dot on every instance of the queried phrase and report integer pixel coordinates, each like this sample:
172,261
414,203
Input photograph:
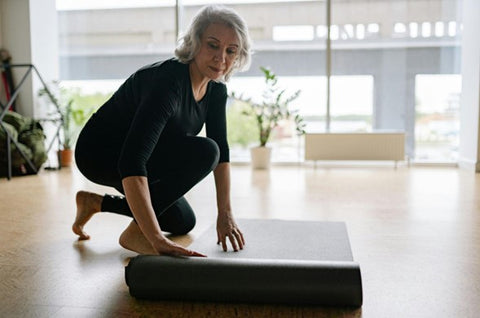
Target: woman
143,141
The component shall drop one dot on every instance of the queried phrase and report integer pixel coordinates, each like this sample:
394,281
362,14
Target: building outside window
394,64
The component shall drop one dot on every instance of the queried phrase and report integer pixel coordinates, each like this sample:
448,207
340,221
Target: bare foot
133,239
88,204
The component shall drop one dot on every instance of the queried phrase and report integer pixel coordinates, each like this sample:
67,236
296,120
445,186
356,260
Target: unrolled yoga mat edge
334,282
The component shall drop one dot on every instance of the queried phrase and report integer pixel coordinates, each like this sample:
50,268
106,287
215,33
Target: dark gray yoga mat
285,262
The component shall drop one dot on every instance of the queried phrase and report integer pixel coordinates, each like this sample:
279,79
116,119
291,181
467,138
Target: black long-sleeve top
155,103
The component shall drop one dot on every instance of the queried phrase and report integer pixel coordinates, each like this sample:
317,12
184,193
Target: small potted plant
65,153
71,119
268,114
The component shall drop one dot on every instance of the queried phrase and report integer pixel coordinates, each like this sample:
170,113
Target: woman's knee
186,227
177,223
208,153
179,219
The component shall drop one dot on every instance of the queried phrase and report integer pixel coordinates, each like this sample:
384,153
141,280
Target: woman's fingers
181,251
222,239
231,237
224,243
226,228
193,253
240,239
174,249
235,237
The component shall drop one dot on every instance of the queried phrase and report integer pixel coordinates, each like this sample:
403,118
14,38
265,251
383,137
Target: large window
437,123
287,38
385,58
406,40
352,100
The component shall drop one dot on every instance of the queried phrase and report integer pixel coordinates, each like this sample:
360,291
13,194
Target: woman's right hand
138,197
165,246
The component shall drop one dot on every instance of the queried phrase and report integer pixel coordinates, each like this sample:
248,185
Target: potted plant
268,115
65,153
71,119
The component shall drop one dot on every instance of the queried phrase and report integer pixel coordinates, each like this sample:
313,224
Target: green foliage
87,101
242,130
272,109
74,107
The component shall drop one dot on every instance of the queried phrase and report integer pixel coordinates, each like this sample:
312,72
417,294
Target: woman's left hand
226,227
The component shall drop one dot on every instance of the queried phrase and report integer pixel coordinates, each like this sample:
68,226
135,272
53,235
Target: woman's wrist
159,241
157,238
222,212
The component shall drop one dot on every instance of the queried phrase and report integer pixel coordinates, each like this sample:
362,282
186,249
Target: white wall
470,100
16,39
28,29
29,32
44,41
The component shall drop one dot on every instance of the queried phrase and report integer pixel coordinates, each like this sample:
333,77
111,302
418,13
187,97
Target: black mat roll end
271,269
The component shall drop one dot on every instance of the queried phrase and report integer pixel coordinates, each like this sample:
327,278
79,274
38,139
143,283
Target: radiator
355,146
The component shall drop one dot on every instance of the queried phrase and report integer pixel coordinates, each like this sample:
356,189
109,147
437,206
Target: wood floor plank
415,231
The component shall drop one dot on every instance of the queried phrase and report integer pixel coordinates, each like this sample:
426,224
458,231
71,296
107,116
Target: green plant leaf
272,109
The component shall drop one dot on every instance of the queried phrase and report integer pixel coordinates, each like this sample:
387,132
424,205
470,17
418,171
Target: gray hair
189,44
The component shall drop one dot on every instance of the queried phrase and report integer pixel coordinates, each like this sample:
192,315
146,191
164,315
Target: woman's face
218,50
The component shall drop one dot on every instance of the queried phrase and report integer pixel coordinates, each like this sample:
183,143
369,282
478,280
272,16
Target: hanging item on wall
7,77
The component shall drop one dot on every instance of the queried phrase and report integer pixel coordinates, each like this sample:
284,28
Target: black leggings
173,169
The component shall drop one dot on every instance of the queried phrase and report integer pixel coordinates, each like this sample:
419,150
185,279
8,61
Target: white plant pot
260,157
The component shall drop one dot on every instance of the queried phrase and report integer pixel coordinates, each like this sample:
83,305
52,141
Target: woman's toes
87,205
79,231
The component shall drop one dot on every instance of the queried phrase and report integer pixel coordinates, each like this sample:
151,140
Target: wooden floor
415,232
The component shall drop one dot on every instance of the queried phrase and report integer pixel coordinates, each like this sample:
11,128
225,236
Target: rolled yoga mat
283,262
